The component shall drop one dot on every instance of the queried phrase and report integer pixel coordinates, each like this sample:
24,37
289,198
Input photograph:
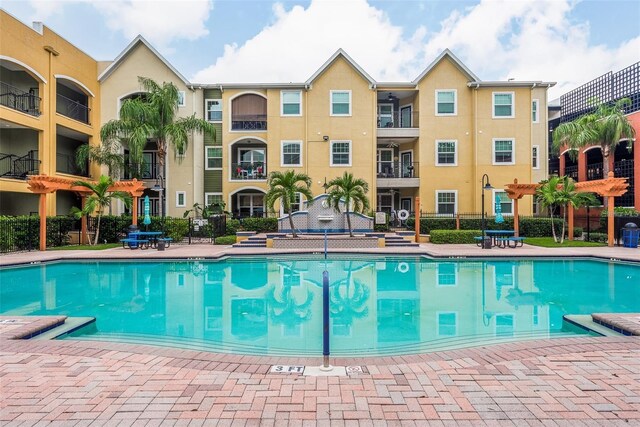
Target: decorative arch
248,116
31,71
76,82
244,188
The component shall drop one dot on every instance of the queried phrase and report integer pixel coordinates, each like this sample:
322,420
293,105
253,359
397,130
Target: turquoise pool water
273,305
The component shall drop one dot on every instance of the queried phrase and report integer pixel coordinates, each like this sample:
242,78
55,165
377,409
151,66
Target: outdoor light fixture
159,188
325,185
325,138
485,186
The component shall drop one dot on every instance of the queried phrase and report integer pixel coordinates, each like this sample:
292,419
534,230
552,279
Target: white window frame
455,275
331,153
493,201
300,204
184,199
513,152
182,98
513,324
535,154
438,313
206,157
455,102
455,153
536,118
331,92
455,203
206,196
282,113
206,112
282,143
493,105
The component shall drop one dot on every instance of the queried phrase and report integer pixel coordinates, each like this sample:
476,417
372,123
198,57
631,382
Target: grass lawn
547,242
85,247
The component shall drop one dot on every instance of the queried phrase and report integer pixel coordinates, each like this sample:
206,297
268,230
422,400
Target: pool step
585,321
70,324
252,242
394,241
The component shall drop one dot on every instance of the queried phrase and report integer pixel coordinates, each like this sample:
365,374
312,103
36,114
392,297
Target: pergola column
610,217
42,211
516,221
417,221
134,210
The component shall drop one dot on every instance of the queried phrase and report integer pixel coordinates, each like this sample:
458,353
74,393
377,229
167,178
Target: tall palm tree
352,191
153,116
109,154
284,186
606,126
99,199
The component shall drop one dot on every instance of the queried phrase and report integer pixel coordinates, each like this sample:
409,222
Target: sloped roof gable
447,53
343,54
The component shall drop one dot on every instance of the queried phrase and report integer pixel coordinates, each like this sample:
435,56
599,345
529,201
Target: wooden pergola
44,184
609,187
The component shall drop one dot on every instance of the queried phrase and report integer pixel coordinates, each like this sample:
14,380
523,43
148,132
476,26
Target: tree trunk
293,230
349,223
553,228
97,230
564,220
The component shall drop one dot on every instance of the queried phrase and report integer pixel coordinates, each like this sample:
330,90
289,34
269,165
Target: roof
336,55
447,53
512,83
120,59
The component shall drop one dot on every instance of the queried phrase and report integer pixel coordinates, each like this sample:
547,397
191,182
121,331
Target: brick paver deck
583,381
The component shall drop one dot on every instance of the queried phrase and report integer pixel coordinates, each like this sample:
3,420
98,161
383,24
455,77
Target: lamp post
159,187
485,186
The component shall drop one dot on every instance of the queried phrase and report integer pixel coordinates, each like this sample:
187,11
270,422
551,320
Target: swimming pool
379,305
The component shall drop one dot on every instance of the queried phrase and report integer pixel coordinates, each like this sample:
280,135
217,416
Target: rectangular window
535,315
291,153
340,153
504,325
295,206
446,202
447,274
181,199
340,103
534,156
181,99
291,102
447,324
506,204
214,158
214,110
503,105
446,104
446,153
503,152
535,118
213,198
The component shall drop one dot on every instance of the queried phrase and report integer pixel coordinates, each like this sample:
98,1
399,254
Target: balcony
67,143
13,166
19,100
396,174
247,171
147,170
73,109
249,122
249,113
66,163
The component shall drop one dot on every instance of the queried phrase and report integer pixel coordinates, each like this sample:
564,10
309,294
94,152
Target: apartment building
48,108
433,137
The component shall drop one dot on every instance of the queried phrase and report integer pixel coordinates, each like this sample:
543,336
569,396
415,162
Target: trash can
160,245
630,235
486,243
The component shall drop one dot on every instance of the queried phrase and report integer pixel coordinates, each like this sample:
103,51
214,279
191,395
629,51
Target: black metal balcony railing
19,100
398,120
19,167
72,109
66,163
571,172
397,170
249,171
249,122
594,171
625,169
147,170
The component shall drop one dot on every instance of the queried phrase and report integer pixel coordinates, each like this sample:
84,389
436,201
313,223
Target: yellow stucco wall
25,48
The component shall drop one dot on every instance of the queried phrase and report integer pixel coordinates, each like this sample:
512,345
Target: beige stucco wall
182,174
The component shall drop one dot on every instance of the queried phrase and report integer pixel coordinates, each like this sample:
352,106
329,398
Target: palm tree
562,192
351,303
108,154
352,191
153,116
99,199
606,126
285,186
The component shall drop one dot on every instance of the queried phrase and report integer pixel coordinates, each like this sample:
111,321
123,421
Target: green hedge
233,225
260,225
539,227
19,233
454,236
226,240
596,237
529,227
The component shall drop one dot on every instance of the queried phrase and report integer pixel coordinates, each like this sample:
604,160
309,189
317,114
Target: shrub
381,227
539,227
225,240
233,225
596,237
260,225
175,228
454,236
577,232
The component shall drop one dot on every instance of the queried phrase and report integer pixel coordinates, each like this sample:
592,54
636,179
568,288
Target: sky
233,41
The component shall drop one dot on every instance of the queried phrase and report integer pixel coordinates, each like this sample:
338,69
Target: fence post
458,221
190,229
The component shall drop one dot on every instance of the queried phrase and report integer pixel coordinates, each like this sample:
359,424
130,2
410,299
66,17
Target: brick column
582,166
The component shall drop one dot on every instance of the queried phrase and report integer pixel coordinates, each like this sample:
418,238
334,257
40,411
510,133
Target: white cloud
496,39
160,21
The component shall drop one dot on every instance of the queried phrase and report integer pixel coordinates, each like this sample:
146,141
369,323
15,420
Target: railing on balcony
625,169
594,171
249,122
147,170
72,109
572,172
66,163
398,170
249,171
19,167
19,100
398,120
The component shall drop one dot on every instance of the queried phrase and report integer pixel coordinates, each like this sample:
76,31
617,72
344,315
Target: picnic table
145,239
